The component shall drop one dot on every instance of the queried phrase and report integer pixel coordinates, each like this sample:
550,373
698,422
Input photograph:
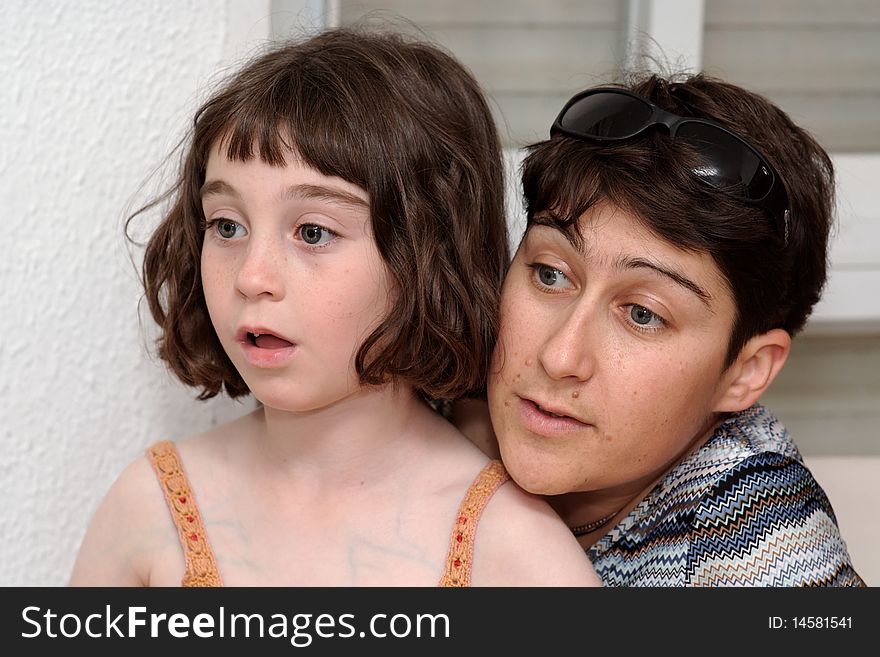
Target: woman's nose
569,350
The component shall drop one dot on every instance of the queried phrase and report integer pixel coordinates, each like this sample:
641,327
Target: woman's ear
758,363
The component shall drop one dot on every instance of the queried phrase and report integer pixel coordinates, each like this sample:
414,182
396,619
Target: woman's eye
550,276
315,235
227,229
643,317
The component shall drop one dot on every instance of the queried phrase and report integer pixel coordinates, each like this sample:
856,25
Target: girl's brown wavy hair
407,123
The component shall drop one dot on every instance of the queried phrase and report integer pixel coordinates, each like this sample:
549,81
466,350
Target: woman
676,240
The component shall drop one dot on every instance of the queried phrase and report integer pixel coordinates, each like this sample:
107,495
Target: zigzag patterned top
743,510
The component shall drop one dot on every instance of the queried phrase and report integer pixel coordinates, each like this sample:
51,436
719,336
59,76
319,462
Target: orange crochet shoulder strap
201,569
461,546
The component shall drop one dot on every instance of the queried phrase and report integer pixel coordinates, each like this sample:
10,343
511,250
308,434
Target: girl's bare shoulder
521,541
131,539
129,527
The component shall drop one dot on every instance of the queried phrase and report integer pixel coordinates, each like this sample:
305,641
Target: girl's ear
758,363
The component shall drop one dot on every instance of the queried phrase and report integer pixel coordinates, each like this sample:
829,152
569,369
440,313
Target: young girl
335,248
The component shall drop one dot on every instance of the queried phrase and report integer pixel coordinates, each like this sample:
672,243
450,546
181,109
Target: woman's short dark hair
774,284
407,123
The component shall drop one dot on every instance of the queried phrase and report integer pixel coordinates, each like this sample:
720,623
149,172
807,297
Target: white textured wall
93,94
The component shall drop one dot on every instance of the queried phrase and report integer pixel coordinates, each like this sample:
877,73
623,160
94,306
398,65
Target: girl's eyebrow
326,193
218,188
301,191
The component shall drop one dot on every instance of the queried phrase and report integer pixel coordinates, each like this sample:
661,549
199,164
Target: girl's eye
550,276
315,235
227,229
644,318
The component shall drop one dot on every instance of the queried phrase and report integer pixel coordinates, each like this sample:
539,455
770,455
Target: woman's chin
533,475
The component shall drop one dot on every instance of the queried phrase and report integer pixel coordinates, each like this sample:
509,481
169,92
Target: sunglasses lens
729,163
606,115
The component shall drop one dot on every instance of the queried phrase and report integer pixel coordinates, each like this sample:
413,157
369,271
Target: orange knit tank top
201,567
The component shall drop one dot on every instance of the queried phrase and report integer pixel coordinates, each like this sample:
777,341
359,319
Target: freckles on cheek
500,375
501,353
212,278
217,272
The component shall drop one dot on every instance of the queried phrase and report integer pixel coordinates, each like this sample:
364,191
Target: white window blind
818,60
529,57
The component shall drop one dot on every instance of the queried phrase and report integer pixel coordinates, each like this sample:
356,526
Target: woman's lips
546,423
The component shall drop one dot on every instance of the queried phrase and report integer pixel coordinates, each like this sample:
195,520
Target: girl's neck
374,432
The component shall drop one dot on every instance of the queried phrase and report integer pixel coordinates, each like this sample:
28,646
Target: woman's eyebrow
549,222
626,262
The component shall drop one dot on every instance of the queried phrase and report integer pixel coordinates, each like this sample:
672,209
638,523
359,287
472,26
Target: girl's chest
299,546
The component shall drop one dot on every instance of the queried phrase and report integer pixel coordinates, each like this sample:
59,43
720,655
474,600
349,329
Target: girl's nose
260,273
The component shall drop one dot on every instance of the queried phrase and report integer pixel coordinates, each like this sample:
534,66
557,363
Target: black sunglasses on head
730,163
